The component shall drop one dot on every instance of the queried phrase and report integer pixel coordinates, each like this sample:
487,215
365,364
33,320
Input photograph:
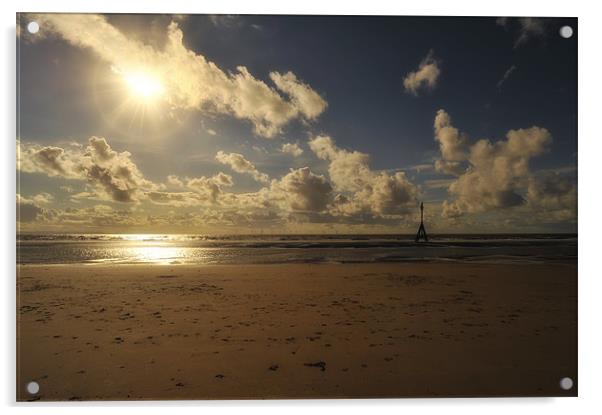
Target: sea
281,249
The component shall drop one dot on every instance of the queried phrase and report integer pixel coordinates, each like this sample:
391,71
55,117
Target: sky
296,124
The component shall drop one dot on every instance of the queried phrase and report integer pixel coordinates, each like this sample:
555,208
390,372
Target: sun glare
143,85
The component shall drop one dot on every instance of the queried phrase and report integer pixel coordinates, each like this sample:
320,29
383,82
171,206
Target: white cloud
240,164
175,181
506,75
50,160
308,101
292,148
362,189
189,79
496,173
225,20
529,27
205,190
210,186
111,175
425,77
43,198
452,145
348,170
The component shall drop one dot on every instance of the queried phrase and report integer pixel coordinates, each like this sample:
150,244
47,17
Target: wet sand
295,331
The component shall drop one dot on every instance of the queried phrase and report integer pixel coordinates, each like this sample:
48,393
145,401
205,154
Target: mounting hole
566,383
566,31
33,388
33,27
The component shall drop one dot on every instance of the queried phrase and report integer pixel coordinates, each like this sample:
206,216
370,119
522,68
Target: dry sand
296,331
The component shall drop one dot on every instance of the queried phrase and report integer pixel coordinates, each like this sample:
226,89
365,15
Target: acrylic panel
252,207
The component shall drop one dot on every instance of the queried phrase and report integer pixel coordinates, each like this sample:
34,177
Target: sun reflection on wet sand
157,254
141,252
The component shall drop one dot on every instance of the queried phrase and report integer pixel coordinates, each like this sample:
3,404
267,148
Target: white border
590,150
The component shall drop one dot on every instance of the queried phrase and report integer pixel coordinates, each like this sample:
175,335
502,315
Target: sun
135,99
144,85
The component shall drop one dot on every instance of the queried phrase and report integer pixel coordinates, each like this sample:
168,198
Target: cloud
111,175
501,21
175,181
529,27
292,148
554,195
29,210
211,187
308,101
32,216
300,196
50,160
115,173
496,173
205,190
450,210
390,194
225,20
97,216
452,145
505,76
190,80
240,164
175,198
438,183
423,167
303,190
43,198
425,77
348,170
362,189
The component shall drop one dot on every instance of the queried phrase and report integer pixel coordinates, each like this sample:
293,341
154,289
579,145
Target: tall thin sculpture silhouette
421,231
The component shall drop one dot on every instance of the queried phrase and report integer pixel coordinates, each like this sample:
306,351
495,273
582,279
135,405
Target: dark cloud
305,191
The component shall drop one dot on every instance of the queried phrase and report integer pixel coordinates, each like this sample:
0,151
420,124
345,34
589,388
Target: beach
368,330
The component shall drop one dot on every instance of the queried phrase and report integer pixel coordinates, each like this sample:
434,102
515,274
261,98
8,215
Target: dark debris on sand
320,364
